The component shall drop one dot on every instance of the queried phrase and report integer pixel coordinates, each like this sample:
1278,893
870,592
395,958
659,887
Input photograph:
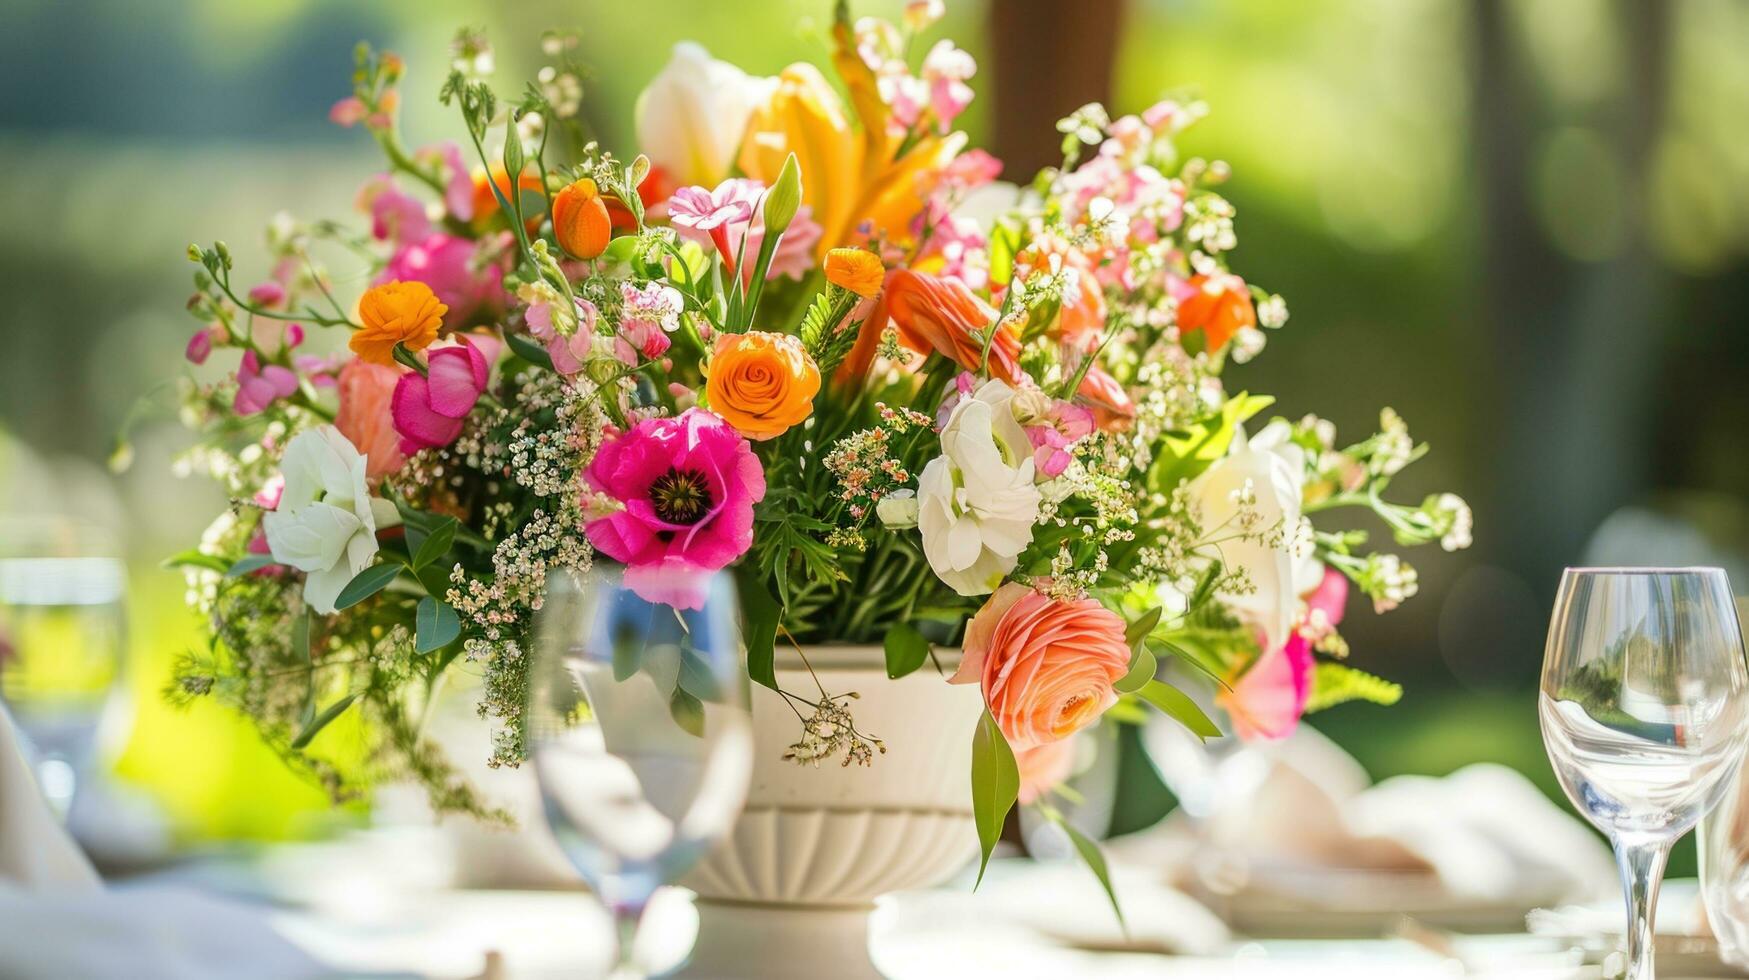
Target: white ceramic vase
787,896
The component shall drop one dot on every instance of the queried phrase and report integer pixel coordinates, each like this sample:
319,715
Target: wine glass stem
1642,870
626,917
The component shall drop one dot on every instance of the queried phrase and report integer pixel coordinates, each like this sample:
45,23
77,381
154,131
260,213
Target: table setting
776,547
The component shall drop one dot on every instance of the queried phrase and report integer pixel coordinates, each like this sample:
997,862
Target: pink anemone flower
687,485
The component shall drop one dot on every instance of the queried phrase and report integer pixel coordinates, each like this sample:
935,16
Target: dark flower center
681,496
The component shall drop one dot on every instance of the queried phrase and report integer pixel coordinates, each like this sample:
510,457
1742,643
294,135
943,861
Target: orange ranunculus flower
396,313
1220,307
762,383
580,220
944,316
856,269
1047,666
486,203
1044,768
1112,407
365,419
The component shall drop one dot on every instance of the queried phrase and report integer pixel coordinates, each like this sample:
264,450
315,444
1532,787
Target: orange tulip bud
580,220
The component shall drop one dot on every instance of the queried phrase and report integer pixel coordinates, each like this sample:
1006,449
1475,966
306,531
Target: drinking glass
1643,706
61,635
1723,845
639,729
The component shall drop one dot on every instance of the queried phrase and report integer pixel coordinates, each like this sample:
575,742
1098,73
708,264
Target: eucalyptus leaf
366,584
247,564
435,543
437,625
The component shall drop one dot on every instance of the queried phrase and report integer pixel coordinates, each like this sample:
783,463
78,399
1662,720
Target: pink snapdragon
269,295
685,488
1053,434
568,352
259,386
395,215
200,346
945,70
653,305
429,409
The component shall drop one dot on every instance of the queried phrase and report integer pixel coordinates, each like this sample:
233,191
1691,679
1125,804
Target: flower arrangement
807,338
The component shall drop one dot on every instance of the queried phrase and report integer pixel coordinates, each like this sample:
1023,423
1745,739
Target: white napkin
1297,821
35,851
57,922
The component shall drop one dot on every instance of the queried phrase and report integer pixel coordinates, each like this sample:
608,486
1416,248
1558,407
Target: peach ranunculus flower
1047,665
396,313
762,383
856,269
1218,305
937,316
1044,768
364,417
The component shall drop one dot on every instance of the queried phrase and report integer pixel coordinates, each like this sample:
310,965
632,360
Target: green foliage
1334,684
1178,706
995,786
436,625
906,650
1090,855
366,584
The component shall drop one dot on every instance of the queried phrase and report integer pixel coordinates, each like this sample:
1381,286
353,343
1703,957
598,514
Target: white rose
898,510
1275,468
326,523
691,116
976,501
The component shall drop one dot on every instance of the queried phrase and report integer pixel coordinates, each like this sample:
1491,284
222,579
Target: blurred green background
1524,225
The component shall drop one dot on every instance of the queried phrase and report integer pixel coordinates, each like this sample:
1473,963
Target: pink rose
365,418
428,409
1047,665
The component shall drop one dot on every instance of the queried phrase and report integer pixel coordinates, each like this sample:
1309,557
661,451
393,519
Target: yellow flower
856,269
396,313
762,383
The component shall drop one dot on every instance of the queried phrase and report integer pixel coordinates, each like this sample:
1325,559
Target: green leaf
761,612
437,625
528,350
906,650
620,250
1138,631
1142,667
995,786
435,543
687,711
315,725
1334,684
366,584
247,564
1179,707
193,558
1093,857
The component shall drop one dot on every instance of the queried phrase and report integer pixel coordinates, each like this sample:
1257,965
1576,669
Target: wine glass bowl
1643,704
639,730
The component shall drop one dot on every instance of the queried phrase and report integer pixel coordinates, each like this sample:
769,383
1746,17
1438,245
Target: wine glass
1723,844
1643,705
61,636
639,729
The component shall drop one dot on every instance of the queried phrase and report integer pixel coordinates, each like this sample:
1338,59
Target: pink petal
457,376
1268,701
